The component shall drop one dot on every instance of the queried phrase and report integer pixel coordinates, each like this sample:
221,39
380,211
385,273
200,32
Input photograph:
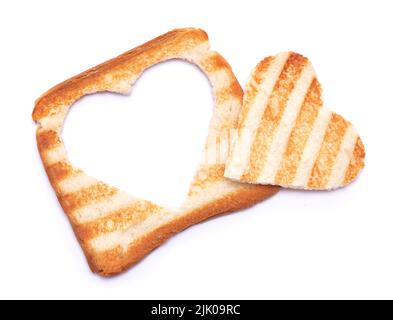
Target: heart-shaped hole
149,143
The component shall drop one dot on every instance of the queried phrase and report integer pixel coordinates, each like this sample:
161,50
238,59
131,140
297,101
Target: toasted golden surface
115,229
286,136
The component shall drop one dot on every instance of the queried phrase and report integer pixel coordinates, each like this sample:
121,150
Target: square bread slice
115,229
286,136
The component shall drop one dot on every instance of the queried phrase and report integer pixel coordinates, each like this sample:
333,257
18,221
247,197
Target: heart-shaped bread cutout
286,136
148,143
116,229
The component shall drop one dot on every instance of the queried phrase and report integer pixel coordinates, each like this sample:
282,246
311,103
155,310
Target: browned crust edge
70,90
111,262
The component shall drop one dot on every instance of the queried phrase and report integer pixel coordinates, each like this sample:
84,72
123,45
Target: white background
294,245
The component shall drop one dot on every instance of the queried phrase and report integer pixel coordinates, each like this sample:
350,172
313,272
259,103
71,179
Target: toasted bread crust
133,61
114,229
111,262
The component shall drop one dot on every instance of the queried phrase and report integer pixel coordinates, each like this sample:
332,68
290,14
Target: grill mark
214,62
47,140
312,147
286,124
85,196
300,134
356,163
257,76
343,158
240,153
60,171
272,115
226,93
118,220
328,152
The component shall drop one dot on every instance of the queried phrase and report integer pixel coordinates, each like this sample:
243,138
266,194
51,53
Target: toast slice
286,136
115,229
